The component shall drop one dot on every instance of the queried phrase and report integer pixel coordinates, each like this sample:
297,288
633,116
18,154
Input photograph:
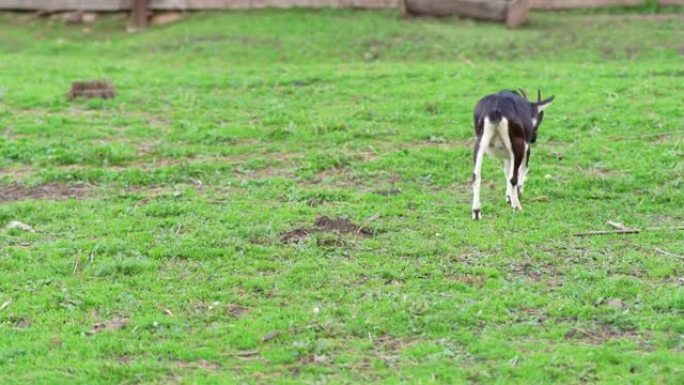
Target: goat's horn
538,95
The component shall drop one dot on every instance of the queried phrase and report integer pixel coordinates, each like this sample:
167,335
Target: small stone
89,17
165,18
20,226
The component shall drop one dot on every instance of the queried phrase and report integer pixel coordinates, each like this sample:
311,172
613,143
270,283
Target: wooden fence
127,5
140,7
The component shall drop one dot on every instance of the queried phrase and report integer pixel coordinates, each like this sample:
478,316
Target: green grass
232,129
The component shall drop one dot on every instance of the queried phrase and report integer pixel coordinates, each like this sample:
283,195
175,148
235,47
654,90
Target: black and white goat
506,123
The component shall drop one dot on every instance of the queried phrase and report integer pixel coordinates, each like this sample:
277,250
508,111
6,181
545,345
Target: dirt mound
51,191
92,89
326,224
340,225
294,235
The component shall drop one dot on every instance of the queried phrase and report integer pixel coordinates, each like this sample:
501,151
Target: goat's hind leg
523,170
506,163
480,146
518,152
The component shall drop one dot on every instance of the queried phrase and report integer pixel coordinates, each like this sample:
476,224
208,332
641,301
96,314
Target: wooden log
517,13
512,12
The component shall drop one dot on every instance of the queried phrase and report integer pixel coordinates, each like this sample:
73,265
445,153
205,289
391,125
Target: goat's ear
542,105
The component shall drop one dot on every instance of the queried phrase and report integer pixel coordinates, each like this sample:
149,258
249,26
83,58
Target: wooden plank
572,4
127,5
67,5
670,2
233,4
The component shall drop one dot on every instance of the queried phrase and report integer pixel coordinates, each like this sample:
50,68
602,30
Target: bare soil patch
92,89
237,310
393,191
113,324
51,191
600,334
200,364
535,273
328,225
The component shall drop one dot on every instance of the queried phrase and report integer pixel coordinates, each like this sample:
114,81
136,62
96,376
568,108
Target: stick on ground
626,231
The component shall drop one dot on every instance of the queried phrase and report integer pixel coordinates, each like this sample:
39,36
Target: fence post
140,13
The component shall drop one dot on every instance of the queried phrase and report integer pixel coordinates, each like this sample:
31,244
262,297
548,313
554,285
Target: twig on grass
77,262
670,254
627,231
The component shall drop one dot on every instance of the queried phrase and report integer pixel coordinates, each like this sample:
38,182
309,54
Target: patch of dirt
237,310
333,243
536,273
295,235
393,191
340,225
92,89
388,347
600,334
112,324
329,225
470,280
51,191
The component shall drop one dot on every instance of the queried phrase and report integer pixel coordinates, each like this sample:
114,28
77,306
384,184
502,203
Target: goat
506,123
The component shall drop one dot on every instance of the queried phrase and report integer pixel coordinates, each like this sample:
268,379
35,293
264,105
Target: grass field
173,227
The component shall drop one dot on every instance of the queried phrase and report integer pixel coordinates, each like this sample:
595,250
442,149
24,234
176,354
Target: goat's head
537,109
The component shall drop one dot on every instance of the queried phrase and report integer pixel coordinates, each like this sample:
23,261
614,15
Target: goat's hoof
477,215
517,209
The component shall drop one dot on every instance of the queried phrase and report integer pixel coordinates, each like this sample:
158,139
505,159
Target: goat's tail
495,116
